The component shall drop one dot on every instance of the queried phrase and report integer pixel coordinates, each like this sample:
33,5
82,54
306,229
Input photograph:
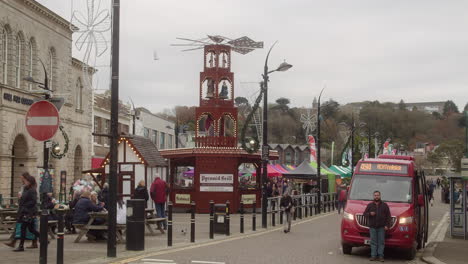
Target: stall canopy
303,171
330,175
344,172
272,171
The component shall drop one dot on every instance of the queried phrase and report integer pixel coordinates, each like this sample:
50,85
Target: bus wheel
346,249
411,253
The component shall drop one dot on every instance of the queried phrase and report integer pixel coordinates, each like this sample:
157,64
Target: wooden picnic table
89,226
152,219
8,220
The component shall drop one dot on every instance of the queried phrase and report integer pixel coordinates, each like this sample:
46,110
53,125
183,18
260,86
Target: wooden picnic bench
84,228
151,219
7,220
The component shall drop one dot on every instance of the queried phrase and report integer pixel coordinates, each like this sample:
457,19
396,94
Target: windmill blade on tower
242,45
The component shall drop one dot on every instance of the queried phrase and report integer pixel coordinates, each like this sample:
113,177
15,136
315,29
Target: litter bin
135,234
219,218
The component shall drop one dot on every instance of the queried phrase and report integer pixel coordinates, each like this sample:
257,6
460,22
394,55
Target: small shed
138,159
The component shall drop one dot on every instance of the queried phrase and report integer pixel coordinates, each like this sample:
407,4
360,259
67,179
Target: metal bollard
273,215
169,224
60,235
228,220
299,202
333,202
306,207
242,217
192,223
329,203
295,213
211,219
254,216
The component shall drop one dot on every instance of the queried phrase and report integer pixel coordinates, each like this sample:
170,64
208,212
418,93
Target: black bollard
43,241
169,224
192,223
329,202
211,219
228,220
311,205
281,215
60,235
273,214
295,211
299,202
254,216
306,207
333,202
242,217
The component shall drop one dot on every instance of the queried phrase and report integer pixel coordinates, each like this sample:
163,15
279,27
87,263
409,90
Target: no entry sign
42,120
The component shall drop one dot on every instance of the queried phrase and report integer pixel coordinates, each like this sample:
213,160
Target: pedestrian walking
27,210
342,196
438,182
430,192
158,195
287,205
141,192
379,220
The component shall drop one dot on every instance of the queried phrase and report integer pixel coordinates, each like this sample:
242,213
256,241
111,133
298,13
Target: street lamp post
46,185
112,208
265,148
319,176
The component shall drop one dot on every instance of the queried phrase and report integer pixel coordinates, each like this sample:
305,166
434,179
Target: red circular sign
42,120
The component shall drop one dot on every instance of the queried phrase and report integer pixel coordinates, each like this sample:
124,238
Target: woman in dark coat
141,192
27,208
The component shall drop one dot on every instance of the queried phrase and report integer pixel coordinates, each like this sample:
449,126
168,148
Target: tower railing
216,142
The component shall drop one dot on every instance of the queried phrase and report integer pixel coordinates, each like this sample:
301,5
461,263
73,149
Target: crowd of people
85,197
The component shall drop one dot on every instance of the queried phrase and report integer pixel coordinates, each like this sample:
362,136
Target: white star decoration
309,122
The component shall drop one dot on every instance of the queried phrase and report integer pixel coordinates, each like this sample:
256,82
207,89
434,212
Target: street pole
466,132
352,143
369,139
319,177
44,211
111,229
265,147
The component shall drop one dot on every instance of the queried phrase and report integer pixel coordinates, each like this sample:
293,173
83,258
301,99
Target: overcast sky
364,49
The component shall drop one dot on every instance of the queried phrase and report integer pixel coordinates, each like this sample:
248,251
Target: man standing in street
379,217
287,205
342,199
158,195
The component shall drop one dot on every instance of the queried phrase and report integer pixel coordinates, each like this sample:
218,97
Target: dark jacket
287,203
141,193
82,208
104,196
28,203
382,217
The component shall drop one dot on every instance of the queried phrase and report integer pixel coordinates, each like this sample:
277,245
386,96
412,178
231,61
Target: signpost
42,120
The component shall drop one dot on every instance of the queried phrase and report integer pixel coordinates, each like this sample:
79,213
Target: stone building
101,125
31,34
159,130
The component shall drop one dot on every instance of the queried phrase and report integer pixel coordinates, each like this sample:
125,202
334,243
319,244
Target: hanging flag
313,149
350,156
344,158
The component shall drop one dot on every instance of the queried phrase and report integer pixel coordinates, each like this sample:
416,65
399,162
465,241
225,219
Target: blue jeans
160,212
377,237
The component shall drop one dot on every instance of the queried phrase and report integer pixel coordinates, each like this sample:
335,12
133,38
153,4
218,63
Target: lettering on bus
384,167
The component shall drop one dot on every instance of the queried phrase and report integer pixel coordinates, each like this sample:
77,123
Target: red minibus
403,188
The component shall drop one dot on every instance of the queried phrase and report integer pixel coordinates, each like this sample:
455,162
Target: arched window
79,95
4,54
51,68
31,54
19,48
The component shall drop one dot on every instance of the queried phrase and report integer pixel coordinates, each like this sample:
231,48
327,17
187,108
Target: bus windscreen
392,188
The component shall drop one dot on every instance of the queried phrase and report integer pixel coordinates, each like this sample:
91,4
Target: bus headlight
406,220
348,216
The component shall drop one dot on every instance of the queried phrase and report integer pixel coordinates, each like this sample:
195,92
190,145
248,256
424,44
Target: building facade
31,36
101,125
159,130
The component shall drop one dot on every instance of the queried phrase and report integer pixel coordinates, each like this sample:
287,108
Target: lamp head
29,79
284,66
56,150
